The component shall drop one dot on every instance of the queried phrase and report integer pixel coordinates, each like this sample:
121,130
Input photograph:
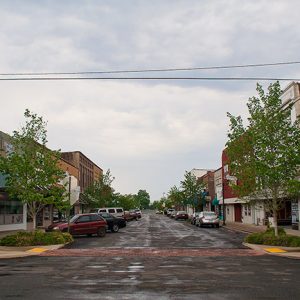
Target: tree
265,155
191,188
127,201
143,199
100,193
176,196
31,168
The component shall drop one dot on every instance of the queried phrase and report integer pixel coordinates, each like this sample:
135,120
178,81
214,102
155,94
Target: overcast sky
147,133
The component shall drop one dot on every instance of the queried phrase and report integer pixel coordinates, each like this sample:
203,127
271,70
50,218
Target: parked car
173,213
208,218
138,212
169,211
181,215
130,215
115,211
113,223
82,224
194,216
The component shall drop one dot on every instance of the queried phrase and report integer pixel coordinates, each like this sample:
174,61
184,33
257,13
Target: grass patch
36,238
268,238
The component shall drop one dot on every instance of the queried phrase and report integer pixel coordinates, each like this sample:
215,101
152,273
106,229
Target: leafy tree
100,193
127,201
31,169
143,199
265,155
176,196
191,189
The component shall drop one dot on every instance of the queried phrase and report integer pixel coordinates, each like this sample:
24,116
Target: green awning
215,201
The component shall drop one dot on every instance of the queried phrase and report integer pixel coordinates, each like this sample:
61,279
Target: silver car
208,218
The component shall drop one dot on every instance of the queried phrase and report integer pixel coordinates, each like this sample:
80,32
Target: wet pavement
160,231
154,258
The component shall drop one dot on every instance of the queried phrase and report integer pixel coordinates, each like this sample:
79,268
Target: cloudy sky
147,132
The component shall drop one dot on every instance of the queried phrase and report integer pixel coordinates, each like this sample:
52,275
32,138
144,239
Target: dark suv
83,224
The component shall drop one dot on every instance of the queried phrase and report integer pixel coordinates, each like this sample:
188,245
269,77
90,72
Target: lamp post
223,196
69,203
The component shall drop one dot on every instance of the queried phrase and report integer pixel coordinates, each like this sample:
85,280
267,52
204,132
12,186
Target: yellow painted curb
37,250
275,250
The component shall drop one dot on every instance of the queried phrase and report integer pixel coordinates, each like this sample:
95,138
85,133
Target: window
247,210
83,219
119,210
111,210
102,210
95,218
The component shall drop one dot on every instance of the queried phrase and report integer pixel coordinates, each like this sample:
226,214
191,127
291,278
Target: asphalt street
149,269
160,231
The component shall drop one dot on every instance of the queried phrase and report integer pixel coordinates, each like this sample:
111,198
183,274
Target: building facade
88,171
12,211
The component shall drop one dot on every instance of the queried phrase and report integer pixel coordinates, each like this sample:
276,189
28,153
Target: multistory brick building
88,170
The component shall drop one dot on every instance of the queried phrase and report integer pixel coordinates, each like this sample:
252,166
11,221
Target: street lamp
223,196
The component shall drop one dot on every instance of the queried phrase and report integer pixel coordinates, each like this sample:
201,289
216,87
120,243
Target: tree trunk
33,214
34,221
275,222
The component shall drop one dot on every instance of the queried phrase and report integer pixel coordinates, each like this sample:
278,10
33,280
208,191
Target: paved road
160,231
170,260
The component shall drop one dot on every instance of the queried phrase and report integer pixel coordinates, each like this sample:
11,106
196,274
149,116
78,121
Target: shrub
36,238
268,238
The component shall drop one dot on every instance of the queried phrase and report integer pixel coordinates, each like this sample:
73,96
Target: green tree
265,154
191,189
127,201
176,196
31,169
143,199
100,193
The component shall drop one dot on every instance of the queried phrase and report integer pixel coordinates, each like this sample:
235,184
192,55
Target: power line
153,70
151,78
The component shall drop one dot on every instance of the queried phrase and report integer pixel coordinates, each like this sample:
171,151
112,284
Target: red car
181,215
83,224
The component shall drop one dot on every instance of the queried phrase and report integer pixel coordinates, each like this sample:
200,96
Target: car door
82,225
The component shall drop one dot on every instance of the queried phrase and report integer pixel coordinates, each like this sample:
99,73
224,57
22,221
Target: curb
289,252
18,252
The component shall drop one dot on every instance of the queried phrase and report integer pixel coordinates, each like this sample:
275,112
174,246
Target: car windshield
181,212
209,214
73,219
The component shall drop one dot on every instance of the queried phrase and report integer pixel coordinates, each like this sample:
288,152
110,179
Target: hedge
36,238
268,238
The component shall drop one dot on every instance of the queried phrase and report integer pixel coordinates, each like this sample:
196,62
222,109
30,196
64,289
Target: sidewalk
251,228
14,252
290,252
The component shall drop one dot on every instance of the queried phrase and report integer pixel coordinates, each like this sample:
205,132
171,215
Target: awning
215,201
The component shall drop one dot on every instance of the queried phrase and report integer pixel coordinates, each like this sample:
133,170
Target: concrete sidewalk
14,252
251,228
290,252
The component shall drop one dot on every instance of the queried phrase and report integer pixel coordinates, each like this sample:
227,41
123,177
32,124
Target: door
238,212
82,225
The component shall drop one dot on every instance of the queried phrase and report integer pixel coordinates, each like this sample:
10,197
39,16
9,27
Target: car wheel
200,225
115,228
217,225
101,232
89,234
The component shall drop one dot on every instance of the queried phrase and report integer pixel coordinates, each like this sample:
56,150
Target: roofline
77,151
66,161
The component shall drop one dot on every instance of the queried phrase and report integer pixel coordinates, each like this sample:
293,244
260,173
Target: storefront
12,213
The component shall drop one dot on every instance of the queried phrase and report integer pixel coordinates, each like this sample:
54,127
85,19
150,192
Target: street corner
290,252
17,252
